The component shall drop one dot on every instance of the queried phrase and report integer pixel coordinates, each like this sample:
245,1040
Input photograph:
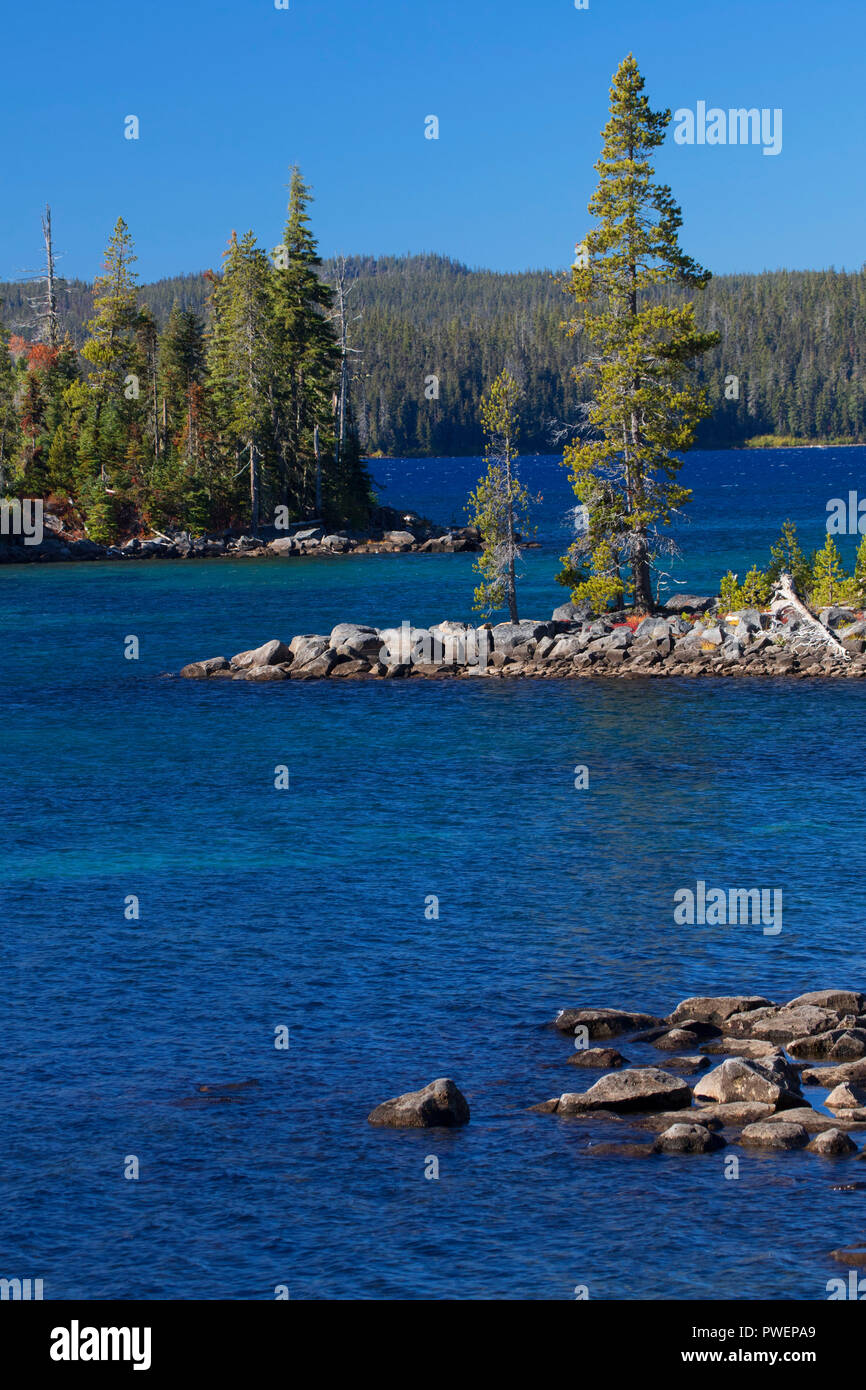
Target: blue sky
229,93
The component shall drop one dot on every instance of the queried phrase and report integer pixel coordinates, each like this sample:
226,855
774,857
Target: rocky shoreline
749,1059
390,533
692,636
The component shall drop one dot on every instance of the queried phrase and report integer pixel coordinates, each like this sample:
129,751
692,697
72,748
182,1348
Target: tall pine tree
645,409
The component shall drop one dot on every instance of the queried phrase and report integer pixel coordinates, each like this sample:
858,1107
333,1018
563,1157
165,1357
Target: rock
769,1081
310,533
263,673
766,1135
399,538
644,1088
200,670
717,1008
736,1112
780,1024
283,545
271,653
852,1255
688,603
846,1096
832,1144
687,1066
838,1045
597,1057
507,636
307,647
359,640
603,1023
740,1047
572,612
834,1076
317,669
351,668
844,1001
439,1104
663,1119
812,1120
688,1139
624,1150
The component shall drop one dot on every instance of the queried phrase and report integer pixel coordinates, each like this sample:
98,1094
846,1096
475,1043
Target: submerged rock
833,1143
438,1104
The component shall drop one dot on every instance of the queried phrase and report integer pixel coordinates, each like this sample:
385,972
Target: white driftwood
786,597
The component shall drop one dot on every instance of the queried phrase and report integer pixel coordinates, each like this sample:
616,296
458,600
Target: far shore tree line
204,424
643,346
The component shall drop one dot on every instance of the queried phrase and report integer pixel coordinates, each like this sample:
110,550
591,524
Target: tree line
431,335
216,409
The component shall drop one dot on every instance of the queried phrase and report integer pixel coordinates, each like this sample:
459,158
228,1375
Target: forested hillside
793,339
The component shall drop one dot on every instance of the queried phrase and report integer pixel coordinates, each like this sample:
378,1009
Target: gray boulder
200,670
717,1008
603,1023
837,1045
357,639
644,1088
780,1025
306,648
833,1143
688,1139
599,1057
440,1104
843,1001
774,1135
772,1082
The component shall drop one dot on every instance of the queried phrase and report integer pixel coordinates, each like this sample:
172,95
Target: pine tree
830,583
241,360
645,410
306,356
786,557
499,502
114,352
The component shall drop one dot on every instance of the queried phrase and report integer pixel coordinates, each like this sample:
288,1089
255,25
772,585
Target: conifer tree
7,409
786,557
499,502
114,352
830,583
645,409
860,572
306,356
241,360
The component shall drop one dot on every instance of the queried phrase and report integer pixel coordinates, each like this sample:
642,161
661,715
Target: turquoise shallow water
305,908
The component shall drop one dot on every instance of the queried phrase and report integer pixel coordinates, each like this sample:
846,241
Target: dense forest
228,402
427,336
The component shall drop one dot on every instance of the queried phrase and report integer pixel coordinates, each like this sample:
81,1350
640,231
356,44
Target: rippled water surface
306,908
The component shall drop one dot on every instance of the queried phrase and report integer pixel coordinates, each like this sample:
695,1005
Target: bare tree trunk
318,472
786,597
51,290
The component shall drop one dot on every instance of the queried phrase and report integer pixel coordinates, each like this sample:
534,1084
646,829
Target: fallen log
786,597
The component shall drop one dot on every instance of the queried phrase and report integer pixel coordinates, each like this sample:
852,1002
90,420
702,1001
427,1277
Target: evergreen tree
830,583
786,557
499,502
644,409
241,360
7,408
860,573
306,356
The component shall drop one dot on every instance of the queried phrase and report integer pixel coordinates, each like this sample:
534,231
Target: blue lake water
306,908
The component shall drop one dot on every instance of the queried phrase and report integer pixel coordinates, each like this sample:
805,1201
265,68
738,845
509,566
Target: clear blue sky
229,93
